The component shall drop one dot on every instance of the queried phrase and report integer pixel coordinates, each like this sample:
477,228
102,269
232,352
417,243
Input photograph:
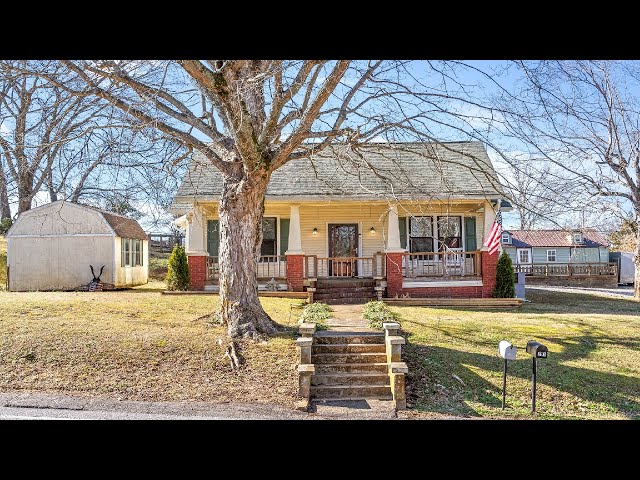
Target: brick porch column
295,254
394,253
197,271
489,264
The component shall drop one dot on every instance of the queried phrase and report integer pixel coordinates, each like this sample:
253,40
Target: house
577,257
52,247
395,218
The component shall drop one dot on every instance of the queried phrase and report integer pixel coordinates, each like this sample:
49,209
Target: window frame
459,238
125,252
274,239
518,253
508,236
577,238
555,255
410,237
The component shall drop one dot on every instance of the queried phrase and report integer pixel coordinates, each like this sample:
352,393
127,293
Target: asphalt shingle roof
403,170
124,227
554,238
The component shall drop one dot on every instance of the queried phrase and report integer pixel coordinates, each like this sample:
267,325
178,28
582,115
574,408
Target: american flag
493,239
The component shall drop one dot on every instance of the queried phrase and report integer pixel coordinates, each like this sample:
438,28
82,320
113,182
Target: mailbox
536,349
506,350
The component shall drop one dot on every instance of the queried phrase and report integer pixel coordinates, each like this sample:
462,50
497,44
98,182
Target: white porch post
295,239
195,243
393,231
489,217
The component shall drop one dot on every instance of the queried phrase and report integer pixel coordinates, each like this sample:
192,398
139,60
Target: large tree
584,117
250,117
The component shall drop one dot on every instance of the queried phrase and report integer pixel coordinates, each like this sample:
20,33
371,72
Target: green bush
505,281
5,225
178,270
376,313
316,313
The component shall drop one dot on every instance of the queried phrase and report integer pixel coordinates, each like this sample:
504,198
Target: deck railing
441,264
567,269
268,266
337,267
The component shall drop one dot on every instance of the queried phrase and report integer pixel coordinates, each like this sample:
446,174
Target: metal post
533,385
504,384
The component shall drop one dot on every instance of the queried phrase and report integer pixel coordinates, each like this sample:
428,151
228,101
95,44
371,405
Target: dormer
577,238
506,238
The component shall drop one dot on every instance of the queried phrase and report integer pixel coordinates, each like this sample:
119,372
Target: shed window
131,252
551,255
125,261
421,234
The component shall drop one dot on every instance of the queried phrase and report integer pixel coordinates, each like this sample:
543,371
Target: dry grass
158,265
593,369
138,344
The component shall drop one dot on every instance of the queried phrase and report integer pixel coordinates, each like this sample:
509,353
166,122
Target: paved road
39,406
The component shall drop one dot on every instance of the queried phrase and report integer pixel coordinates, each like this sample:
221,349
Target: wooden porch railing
441,264
337,267
567,269
268,266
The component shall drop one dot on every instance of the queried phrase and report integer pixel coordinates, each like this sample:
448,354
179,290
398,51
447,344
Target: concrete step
348,358
351,391
345,283
330,368
328,337
346,301
323,290
349,378
349,348
343,294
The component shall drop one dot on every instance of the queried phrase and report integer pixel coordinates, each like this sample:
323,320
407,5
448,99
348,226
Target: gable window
523,255
506,238
131,252
449,232
269,235
551,255
421,234
577,238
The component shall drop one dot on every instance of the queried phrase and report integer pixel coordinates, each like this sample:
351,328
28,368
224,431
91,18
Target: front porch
306,247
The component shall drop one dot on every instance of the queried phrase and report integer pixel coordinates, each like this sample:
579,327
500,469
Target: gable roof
554,238
124,227
404,170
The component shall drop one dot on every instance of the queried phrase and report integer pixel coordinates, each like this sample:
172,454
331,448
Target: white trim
197,253
57,235
508,242
455,283
518,250
555,254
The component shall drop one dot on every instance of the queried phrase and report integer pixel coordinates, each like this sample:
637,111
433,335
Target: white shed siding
61,218
129,276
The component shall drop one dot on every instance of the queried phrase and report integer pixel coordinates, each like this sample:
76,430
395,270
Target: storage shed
51,248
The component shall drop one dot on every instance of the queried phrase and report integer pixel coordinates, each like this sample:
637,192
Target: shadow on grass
432,387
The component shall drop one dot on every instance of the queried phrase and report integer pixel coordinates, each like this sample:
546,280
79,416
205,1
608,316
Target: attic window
506,238
577,238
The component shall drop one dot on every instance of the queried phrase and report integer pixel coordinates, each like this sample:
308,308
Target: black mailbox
536,349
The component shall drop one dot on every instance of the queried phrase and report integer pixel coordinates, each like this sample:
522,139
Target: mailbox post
507,352
536,350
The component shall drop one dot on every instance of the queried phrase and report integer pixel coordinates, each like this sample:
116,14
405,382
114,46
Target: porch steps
349,365
347,291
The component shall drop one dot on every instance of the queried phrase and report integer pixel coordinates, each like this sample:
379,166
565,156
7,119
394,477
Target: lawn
138,345
593,368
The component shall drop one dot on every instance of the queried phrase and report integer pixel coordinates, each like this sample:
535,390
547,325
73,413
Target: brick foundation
197,271
442,292
295,273
394,274
489,264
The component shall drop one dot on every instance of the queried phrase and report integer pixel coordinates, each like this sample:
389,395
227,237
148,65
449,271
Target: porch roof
418,171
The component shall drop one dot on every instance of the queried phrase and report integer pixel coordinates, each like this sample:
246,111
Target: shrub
5,225
376,313
505,280
178,270
316,313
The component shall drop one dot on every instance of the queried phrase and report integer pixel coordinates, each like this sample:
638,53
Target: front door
343,248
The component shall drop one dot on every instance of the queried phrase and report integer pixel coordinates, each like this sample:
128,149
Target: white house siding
130,276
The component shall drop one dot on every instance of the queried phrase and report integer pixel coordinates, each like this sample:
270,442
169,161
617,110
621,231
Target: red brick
197,271
489,265
295,273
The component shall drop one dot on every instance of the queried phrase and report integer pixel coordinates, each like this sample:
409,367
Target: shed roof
404,170
555,238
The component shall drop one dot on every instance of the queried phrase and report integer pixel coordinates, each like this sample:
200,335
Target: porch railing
567,269
337,267
268,266
441,264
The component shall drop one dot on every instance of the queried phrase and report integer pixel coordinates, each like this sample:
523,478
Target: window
449,232
523,255
131,252
421,234
577,238
551,255
506,238
269,231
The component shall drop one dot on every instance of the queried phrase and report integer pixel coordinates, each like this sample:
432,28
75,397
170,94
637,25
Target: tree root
232,355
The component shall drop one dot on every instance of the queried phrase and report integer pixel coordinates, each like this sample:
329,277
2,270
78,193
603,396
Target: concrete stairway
349,366
347,290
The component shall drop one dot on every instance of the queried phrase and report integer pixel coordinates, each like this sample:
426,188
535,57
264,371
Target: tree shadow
431,385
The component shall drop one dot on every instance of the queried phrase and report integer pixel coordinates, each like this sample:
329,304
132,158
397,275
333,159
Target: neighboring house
561,257
407,218
51,248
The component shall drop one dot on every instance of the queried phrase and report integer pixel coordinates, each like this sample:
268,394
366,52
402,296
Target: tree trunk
241,210
5,211
25,192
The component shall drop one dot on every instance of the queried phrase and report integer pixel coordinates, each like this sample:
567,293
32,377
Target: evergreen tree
178,271
505,280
